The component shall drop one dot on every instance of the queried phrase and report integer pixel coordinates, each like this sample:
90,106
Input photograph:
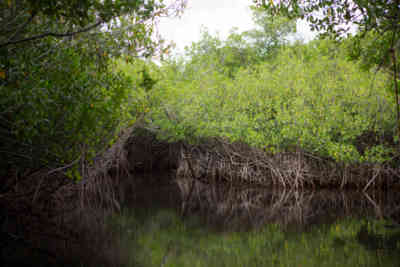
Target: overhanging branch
22,27
54,34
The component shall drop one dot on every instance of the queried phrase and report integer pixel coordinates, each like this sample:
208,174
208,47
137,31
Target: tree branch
22,27
54,34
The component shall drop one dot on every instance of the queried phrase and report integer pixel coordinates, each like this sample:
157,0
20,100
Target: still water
186,223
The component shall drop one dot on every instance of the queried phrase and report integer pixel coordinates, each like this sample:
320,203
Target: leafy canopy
336,16
66,18
62,99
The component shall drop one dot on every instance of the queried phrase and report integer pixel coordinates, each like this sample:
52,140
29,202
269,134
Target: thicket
308,96
73,77
269,90
62,100
63,103
285,113
371,27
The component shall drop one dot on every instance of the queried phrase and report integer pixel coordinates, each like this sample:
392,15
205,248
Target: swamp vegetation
257,150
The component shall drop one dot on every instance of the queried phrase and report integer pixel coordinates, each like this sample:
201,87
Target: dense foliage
373,27
308,97
335,16
61,100
69,83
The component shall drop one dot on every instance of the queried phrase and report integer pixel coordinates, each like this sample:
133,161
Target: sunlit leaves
309,96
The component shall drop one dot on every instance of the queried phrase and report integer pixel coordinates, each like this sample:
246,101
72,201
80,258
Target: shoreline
217,160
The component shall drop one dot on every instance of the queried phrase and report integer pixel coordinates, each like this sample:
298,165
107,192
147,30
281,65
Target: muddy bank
216,160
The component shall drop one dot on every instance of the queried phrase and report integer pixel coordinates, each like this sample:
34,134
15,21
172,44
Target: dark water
186,223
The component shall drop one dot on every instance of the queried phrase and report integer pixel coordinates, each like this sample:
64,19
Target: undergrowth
308,97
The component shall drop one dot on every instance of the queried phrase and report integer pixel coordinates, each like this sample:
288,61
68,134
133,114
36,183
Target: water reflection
189,223
245,208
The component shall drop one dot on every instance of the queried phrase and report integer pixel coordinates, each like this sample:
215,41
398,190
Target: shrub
308,97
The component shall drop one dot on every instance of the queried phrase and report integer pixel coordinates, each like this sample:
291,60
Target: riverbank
218,160
61,220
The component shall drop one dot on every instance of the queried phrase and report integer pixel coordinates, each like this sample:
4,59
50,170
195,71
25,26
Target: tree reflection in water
244,208
190,223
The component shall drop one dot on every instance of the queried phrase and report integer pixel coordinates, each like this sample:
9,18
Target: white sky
219,16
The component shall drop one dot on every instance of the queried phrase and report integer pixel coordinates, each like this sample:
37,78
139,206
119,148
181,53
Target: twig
22,27
370,181
57,169
377,208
